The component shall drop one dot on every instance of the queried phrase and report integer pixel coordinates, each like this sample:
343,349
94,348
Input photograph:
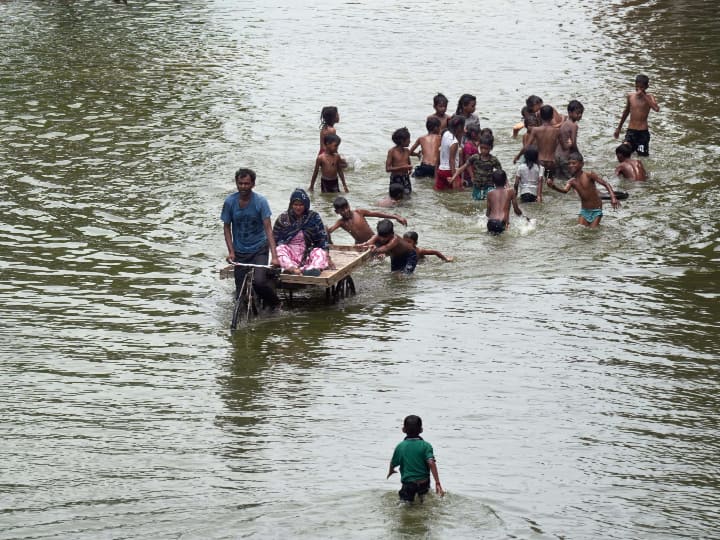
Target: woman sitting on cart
301,238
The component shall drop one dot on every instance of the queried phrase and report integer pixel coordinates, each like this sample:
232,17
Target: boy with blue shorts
584,184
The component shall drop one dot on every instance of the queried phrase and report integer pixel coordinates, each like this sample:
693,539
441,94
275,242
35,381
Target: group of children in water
549,151
456,154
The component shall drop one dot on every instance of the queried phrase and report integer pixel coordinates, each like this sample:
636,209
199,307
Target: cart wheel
350,286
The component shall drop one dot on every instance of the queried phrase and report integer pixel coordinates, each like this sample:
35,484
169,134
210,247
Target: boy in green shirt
416,460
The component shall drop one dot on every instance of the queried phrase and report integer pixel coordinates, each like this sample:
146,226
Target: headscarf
287,225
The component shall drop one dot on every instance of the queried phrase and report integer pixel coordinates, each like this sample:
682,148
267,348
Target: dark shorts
424,170
410,489
639,141
550,168
528,197
405,263
329,185
403,179
495,226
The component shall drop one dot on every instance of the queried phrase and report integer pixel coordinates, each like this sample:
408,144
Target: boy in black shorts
638,106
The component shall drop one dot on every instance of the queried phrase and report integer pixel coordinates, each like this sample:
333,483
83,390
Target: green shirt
412,456
482,170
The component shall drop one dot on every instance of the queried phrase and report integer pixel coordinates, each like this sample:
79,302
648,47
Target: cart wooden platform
337,281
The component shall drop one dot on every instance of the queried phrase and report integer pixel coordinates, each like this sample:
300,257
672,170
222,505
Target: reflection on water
566,377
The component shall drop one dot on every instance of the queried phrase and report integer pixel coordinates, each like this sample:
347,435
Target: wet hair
245,172
328,116
499,178
385,227
473,131
396,191
400,135
487,140
530,119
455,123
546,112
624,150
331,138
440,99
575,156
575,106
531,156
411,235
432,123
642,80
340,202
464,100
533,100
412,426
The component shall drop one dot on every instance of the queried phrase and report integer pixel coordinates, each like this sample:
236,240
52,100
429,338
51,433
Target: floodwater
567,378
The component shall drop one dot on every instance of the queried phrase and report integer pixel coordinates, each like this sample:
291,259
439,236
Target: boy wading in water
354,222
499,201
638,107
584,184
416,460
403,257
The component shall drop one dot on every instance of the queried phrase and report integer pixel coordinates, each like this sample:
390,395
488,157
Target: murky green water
567,378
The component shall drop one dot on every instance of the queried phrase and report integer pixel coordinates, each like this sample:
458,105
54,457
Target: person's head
412,426
329,116
623,152
342,207
331,142
575,162
440,103
531,156
546,113
642,82
396,191
245,180
485,144
575,110
299,203
432,124
533,104
473,132
401,137
385,231
411,237
499,178
456,125
466,105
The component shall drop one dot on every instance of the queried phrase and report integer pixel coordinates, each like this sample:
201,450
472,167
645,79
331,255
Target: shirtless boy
403,257
546,137
429,153
354,222
632,169
398,160
498,203
638,107
568,138
329,164
584,184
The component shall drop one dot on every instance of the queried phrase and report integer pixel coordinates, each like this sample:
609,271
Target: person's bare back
546,137
498,204
430,148
632,169
567,138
